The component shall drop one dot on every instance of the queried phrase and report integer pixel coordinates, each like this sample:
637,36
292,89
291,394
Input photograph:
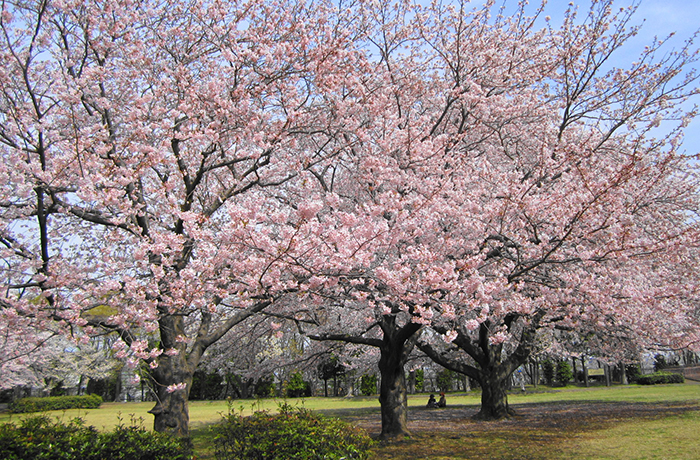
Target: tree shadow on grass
536,432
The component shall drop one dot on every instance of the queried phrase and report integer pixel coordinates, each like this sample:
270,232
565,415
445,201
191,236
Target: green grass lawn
668,436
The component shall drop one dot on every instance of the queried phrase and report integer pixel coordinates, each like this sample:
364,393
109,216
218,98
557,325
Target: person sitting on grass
431,402
443,401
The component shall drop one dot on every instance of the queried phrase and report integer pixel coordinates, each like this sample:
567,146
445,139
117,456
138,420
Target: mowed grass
670,435
667,438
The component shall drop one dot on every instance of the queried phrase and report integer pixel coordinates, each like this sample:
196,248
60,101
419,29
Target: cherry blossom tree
599,228
367,170
508,179
145,146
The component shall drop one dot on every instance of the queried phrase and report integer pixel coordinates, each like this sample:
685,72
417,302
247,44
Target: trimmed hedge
660,377
291,434
24,405
38,437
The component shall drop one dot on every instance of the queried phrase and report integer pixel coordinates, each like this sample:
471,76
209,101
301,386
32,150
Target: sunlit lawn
668,438
673,437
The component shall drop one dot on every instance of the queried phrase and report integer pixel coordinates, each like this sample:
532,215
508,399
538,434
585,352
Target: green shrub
633,371
420,380
368,384
264,387
660,377
564,373
444,379
206,386
38,437
291,434
297,387
134,442
25,405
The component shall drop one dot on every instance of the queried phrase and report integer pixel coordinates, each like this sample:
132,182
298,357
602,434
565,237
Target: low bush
633,371
134,442
660,377
297,387
291,434
38,437
563,373
368,384
24,405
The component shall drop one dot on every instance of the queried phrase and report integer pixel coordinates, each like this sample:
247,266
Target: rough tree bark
171,412
494,394
492,369
395,346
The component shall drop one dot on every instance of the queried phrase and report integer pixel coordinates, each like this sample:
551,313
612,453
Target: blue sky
658,18
661,17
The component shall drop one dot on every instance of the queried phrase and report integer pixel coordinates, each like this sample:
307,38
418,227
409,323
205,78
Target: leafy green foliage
368,384
264,387
135,442
420,380
444,379
25,405
660,377
296,387
38,437
206,386
564,372
291,434
58,390
633,371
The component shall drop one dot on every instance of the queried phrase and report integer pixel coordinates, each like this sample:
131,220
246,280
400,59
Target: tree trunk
494,395
171,412
118,386
393,396
395,346
623,374
412,382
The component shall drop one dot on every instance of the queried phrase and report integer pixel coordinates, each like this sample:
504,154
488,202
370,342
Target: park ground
622,422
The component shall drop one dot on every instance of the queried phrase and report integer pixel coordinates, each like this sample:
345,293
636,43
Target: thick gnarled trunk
494,395
393,395
396,345
492,369
171,412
